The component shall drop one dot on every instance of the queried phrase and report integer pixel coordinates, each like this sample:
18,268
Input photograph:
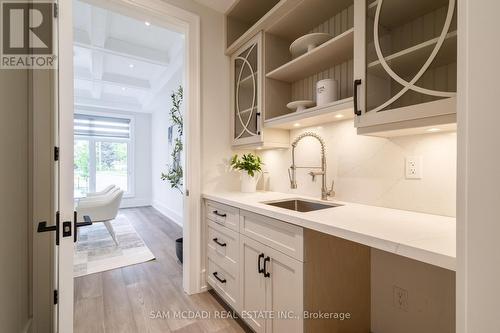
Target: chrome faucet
325,192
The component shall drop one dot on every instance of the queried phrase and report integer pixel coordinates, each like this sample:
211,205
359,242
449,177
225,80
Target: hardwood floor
127,299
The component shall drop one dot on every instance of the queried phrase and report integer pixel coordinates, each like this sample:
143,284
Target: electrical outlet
400,298
413,167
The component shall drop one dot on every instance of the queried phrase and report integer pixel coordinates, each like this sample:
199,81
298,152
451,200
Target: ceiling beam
117,47
166,76
98,35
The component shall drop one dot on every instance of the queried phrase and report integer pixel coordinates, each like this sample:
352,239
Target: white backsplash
371,170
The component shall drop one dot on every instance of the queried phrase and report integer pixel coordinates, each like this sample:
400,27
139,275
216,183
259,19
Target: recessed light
147,23
338,116
131,65
123,88
296,124
434,129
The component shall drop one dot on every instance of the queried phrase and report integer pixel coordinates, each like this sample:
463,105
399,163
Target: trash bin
178,249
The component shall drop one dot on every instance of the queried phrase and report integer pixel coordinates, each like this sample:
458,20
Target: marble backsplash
371,170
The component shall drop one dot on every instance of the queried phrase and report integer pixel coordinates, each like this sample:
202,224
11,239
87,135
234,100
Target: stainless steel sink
300,205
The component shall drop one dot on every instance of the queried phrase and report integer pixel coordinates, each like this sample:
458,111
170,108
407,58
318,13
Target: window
102,153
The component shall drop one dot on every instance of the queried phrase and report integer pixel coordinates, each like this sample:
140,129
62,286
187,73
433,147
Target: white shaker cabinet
271,288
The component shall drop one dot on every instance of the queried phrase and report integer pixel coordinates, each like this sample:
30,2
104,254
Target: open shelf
290,19
335,111
336,50
404,62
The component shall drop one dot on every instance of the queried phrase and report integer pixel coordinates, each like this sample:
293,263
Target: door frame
188,23
179,20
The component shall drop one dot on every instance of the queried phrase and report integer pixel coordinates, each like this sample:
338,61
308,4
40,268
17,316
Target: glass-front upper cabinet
246,104
405,65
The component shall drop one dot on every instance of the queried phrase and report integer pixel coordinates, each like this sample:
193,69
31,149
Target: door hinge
56,296
56,10
187,193
56,153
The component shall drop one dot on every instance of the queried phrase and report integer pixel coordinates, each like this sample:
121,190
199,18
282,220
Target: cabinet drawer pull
259,268
219,214
218,243
218,278
357,112
266,273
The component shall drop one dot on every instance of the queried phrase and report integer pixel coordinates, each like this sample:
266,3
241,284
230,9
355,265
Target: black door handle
259,269
266,273
357,112
218,278
219,243
42,227
77,224
219,214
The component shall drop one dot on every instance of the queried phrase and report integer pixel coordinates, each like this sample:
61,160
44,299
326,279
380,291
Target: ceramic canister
326,91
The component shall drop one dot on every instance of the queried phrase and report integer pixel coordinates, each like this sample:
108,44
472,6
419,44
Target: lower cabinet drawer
284,237
223,247
225,284
223,214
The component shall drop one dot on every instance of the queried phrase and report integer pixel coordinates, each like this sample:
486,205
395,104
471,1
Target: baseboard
169,213
135,202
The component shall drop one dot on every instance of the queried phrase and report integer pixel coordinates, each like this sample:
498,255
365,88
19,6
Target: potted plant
251,169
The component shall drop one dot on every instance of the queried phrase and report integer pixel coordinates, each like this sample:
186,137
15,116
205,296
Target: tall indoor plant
250,166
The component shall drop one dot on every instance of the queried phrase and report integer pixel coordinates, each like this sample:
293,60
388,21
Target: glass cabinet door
411,51
246,85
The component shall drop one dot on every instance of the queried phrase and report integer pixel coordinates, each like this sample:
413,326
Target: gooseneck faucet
292,174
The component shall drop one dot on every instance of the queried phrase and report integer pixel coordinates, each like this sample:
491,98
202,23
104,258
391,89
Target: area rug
96,251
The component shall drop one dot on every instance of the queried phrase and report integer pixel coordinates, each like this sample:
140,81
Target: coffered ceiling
122,63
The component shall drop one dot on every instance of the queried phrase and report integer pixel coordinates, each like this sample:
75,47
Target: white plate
300,105
308,42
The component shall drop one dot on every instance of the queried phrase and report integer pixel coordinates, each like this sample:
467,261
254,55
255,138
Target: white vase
249,183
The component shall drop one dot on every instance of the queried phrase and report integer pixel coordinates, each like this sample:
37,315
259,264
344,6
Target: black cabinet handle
259,269
266,273
357,112
219,214
219,243
257,119
218,278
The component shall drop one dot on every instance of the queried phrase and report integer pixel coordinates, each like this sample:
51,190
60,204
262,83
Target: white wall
370,170
165,199
15,221
142,162
215,116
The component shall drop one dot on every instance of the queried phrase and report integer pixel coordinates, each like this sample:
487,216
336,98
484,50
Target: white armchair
103,192
103,208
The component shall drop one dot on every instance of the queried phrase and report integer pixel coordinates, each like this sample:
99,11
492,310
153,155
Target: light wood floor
122,300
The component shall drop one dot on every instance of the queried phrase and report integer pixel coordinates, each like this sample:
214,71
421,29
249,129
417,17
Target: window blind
100,126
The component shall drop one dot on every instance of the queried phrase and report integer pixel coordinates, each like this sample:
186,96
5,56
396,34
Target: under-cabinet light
296,124
338,116
147,23
434,129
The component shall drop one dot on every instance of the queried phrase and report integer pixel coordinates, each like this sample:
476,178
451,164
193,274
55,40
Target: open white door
52,105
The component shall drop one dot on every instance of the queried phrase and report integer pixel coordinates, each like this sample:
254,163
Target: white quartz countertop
423,237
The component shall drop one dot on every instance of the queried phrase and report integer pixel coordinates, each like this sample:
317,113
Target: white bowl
300,105
308,42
